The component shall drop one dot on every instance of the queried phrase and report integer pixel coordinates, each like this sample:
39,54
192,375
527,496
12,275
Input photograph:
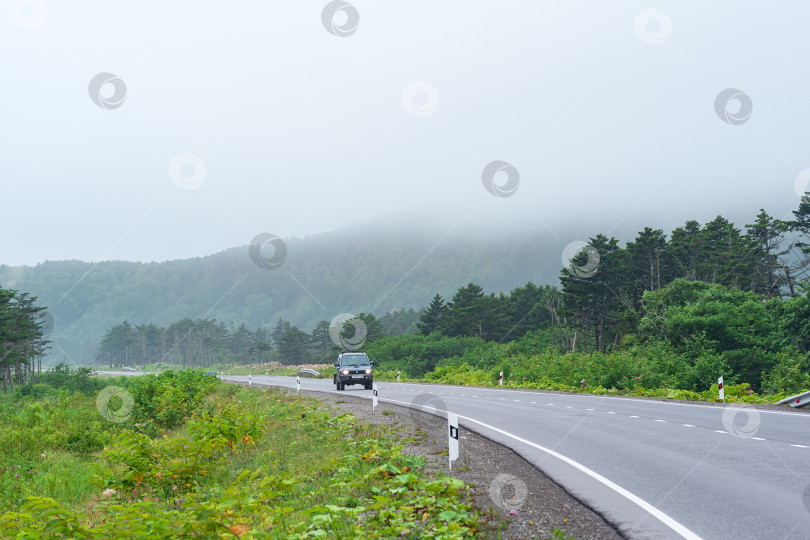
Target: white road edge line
652,510
578,395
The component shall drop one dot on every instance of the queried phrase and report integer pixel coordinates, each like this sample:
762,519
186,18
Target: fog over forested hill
374,267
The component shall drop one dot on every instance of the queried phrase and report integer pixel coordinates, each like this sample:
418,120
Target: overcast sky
223,120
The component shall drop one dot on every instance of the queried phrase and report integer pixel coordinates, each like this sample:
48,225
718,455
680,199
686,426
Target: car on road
353,368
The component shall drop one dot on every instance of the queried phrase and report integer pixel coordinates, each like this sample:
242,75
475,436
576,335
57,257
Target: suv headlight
368,371
345,371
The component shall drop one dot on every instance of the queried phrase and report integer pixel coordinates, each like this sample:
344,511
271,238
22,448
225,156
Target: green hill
372,268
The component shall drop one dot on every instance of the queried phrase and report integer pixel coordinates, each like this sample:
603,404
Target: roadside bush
38,391
790,374
63,377
163,402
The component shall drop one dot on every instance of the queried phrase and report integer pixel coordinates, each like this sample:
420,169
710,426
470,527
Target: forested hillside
224,306
374,268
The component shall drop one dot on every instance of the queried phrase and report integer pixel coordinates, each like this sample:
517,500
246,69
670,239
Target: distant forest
205,343
739,293
369,268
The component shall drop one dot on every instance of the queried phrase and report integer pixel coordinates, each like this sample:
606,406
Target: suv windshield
354,360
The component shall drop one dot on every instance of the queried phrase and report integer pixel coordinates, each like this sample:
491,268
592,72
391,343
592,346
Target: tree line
601,296
208,342
23,328
605,305
727,297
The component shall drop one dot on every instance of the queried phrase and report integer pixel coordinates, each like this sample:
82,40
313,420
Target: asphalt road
654,469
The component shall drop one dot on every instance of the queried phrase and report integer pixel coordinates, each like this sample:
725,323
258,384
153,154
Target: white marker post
397,375
373,397
500,379
297,383
452,438
722,391
250,380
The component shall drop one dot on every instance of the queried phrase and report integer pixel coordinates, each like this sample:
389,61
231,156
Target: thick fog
162,130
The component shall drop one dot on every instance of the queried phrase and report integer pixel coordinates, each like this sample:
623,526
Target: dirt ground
502,481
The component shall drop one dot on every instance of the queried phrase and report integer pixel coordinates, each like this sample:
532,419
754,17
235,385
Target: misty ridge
377,266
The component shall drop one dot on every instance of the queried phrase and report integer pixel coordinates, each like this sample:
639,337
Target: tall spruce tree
432,319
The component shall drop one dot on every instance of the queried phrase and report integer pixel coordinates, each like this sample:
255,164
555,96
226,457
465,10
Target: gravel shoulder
502,481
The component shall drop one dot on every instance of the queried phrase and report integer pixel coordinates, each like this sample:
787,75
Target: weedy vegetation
201,459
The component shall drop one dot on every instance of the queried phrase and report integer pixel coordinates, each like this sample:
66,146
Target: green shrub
790,374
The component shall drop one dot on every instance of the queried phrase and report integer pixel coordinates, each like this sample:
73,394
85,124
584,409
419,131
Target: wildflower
404,533
512,513
108,493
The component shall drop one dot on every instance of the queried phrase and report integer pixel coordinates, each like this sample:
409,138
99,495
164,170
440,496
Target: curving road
655,469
